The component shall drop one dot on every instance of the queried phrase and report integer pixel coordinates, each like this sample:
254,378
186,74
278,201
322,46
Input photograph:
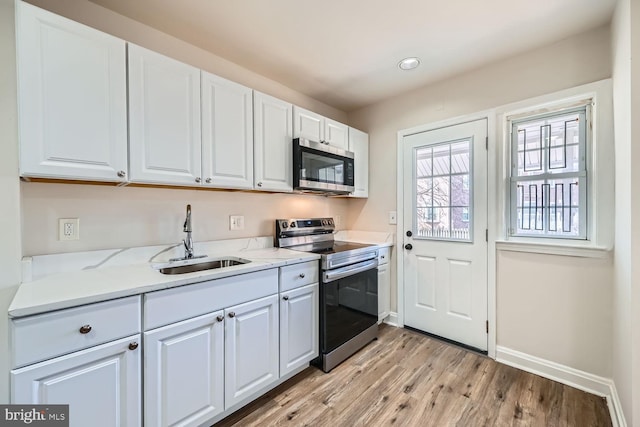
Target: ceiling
345,52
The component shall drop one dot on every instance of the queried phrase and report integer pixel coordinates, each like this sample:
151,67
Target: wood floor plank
409,379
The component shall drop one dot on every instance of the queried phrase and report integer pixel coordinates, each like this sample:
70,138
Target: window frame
584,112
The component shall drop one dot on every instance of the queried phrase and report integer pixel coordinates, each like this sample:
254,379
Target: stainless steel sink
210,264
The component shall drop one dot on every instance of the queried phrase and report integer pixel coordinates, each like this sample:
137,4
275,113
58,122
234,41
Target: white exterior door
101,385
299,325
184,372
72,98
251,348
445,218
273,144
164,119
227,133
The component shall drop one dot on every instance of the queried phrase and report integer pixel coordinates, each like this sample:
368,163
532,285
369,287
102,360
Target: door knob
408,246
409,233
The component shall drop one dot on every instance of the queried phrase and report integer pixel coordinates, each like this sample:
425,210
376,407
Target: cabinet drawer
173,305
294,276
48,335
383,255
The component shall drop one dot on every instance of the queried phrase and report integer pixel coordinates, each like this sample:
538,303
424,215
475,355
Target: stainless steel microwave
319,167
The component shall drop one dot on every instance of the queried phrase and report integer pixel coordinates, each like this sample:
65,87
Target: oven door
348,304
320,167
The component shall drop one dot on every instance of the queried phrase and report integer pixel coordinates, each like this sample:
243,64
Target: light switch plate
393,217
236,222
68,229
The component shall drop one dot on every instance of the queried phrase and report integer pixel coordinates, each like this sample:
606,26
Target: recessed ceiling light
409,63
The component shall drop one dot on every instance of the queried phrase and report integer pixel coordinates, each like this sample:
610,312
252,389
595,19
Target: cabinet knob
208,180
286,298
232,314
259,184
133,345
198,179
301,275
85,329
122,174
382,257
220,318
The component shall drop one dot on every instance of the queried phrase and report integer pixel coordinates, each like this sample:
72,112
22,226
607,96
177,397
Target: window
549,175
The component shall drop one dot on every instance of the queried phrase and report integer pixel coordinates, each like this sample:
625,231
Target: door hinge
486,235
486,143
487,325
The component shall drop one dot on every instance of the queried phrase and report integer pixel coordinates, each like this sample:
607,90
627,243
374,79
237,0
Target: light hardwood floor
408,379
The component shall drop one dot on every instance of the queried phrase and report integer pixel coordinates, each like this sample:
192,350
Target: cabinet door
227,133
336,134
72,98
359,145
273,154
164,119
184,372
299,339
101,384
384,292
307,124
251,348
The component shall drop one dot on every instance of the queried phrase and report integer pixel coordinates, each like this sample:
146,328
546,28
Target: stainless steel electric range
348,286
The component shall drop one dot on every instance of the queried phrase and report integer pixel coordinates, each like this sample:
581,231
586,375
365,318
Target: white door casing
445,271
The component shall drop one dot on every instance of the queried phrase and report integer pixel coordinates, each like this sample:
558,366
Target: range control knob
284,224
330,222
325,222
292,225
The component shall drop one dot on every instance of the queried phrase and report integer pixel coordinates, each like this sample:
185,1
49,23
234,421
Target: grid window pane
549,176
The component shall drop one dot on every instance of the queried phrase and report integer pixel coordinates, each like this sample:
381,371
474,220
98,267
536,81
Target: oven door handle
332,275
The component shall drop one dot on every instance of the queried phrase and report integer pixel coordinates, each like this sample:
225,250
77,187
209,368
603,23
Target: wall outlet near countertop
236,222
68,229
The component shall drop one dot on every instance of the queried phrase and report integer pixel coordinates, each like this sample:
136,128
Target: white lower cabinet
184,371
101,384
251,348
384,284
299,327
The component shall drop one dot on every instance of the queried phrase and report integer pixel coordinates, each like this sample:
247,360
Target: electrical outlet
68,229
393,217
236,222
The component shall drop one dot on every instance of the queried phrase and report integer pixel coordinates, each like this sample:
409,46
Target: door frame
493,213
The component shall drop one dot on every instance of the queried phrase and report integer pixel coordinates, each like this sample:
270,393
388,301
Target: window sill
553,249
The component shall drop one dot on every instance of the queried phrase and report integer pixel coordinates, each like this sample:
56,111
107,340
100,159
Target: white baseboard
576,378
392,319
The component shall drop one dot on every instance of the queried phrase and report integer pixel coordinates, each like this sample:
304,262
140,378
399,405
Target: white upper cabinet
72,98
273,144
164,119
336,134
359,145
307,124
227,133
313,126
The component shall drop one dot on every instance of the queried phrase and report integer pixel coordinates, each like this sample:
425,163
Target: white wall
568,63
10,251
626,291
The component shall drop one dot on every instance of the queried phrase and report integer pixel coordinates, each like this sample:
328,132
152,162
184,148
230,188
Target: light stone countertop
73,288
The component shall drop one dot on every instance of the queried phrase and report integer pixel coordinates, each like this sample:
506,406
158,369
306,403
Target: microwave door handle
340,273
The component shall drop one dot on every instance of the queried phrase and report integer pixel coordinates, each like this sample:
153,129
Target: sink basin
209,264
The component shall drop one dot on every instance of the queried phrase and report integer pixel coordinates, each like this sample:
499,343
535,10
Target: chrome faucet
188,241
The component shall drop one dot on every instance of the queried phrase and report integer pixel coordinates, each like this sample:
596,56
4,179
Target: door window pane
443,191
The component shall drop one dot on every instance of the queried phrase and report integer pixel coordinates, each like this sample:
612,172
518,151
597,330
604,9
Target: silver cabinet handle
198,179
220,318
208,181
301,275
85,329
122,174
232,314
286,298
133,345
259,184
